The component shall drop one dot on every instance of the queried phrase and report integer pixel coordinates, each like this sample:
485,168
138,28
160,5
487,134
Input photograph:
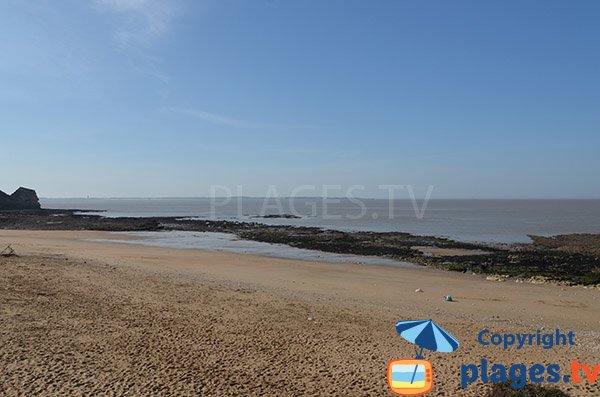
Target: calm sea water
225,242
464,220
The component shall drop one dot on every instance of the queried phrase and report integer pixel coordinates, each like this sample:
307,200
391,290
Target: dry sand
85,318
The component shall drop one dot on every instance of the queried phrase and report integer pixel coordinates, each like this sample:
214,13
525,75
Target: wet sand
81,317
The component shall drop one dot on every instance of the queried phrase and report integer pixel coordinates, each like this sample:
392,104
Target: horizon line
303,197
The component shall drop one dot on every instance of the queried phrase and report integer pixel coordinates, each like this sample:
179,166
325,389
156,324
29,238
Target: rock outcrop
21,199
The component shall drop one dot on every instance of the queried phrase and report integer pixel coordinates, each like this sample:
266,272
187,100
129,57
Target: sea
488,221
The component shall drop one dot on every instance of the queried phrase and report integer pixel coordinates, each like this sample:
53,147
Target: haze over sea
492,221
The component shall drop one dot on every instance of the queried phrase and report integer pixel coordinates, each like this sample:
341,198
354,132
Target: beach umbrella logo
414,377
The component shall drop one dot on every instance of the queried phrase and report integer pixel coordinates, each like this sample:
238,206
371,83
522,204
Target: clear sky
481,99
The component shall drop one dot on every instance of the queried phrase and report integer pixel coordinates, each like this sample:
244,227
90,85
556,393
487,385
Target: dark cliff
21,199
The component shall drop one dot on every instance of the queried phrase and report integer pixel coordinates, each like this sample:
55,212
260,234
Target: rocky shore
571,259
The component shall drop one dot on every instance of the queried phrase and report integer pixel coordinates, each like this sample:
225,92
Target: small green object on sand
448,298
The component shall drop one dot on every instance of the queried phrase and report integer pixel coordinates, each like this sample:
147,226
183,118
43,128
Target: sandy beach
299,198
81,317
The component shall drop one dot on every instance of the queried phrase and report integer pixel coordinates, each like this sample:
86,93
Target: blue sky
166,98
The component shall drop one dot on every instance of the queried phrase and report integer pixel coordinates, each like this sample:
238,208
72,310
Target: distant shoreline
571,259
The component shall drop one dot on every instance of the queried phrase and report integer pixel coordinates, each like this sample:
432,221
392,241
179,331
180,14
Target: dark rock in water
21,199
276,216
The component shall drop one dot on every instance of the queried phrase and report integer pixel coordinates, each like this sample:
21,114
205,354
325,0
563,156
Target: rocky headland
21,199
